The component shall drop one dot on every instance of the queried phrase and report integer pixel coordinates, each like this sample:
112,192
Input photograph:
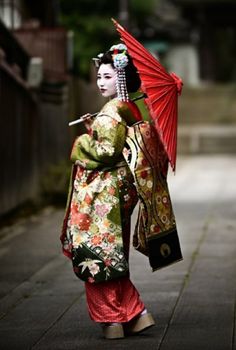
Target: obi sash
155,232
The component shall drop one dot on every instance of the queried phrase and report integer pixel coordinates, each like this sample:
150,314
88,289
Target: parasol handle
83,118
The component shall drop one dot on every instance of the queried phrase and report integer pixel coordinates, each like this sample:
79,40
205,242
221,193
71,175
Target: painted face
106,80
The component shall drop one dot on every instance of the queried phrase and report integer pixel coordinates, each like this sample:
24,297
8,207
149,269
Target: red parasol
162,91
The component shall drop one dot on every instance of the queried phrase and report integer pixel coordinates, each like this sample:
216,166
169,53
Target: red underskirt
113,301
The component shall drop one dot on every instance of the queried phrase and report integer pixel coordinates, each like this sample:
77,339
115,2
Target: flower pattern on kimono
122,172
111,238
103,121
82,220
126,153
149,184
74,207
147,134
96,240
78,239
144,174
142,182
112,191
107,249
109,110
92,265
126,197
105,148
102,227
155,228
88,199
102,209
107,262
164,218
94,269
98,186
113,200
165,201
81,192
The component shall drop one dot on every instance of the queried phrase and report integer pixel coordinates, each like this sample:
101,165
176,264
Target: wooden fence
34,135
18,142
51,44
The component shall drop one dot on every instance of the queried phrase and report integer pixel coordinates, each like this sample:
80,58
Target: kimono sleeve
104,146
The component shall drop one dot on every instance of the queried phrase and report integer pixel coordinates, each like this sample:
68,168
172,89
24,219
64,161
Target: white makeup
106,80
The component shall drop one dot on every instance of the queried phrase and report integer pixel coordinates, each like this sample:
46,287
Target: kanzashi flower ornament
120,61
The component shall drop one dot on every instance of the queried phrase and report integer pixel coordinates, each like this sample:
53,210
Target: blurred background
47,79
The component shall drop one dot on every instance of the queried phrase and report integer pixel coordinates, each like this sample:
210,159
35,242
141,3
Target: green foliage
90,20
141,9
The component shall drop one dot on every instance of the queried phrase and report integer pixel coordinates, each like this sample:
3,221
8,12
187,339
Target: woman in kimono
101,199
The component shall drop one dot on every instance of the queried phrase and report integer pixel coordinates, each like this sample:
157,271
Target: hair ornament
119,47
97,59
120,61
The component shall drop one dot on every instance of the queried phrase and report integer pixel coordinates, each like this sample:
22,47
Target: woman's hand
87,120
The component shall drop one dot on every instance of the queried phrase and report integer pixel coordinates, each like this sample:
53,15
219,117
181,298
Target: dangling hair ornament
120,61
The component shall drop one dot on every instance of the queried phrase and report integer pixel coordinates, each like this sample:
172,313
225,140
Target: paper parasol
162,90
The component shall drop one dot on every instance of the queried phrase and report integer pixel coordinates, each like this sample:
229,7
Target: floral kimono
101,198
120,160
122,156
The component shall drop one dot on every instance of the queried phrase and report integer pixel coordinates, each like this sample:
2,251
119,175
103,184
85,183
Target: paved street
42,305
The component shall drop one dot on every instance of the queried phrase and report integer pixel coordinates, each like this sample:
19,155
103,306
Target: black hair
133,81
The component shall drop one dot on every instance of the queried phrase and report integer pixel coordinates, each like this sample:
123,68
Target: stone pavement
42,305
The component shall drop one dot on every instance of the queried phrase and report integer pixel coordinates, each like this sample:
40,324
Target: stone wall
208,104
207,120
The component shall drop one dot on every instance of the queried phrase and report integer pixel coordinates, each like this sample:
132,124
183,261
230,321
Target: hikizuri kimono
101,198
103,195
120,161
